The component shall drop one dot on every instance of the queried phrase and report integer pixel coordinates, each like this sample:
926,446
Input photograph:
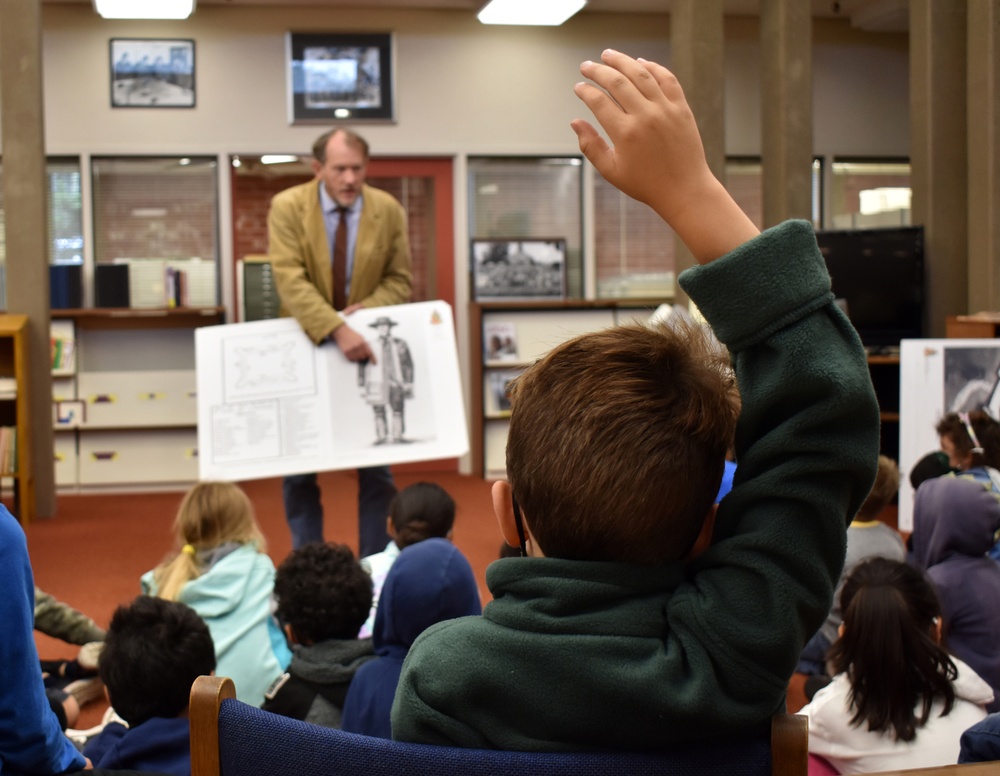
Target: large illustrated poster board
938,376
270,403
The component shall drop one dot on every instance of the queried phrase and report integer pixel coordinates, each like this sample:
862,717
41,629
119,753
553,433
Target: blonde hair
211,514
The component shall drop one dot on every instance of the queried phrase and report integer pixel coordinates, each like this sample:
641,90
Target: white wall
461,87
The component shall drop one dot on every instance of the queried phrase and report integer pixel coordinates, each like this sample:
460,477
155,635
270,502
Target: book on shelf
500,341
175,287
63,353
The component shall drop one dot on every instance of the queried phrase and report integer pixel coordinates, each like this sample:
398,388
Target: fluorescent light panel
144,9
549,13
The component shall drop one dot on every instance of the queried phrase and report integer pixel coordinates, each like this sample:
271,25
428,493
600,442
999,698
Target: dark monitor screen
879,275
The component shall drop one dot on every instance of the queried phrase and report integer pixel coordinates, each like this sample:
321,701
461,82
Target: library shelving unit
884,371
533,328
15,413
126,403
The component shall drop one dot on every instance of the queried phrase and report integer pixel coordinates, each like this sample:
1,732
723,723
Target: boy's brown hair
617,441
886,486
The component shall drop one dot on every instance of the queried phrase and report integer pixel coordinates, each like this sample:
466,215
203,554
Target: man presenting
337,245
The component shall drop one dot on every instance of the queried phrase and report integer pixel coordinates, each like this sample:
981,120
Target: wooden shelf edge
141,317
144,427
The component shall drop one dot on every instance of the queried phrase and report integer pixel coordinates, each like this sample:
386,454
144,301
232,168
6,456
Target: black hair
421,511
934,464
894,663
153,652
323,593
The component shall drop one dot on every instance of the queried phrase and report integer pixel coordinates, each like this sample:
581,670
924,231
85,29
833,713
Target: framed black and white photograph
152,73
340,77
518,268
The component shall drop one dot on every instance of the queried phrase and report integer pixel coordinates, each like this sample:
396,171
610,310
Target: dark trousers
304,511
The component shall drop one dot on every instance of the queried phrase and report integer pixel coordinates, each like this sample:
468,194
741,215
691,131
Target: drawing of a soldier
387,382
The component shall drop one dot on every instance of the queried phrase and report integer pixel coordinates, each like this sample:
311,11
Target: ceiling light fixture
144,9
549,13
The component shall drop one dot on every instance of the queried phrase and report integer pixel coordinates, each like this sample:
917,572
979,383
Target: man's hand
352,345
656,155
351,308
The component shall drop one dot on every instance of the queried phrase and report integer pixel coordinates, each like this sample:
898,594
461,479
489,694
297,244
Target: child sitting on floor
955,520
608,635
867,537
221,571
323,597
430,582
154,651
898,700
421,511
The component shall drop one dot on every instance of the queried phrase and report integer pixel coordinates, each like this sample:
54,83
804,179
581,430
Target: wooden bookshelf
15,411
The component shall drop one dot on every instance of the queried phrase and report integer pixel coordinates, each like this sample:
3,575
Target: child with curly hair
323,597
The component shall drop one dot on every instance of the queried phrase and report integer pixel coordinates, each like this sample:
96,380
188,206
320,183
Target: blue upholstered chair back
230,738
254,742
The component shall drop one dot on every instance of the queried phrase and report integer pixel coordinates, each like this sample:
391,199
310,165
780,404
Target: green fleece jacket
577,655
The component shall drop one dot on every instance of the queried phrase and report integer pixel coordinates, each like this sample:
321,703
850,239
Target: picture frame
518,268
499,342
152,72
340,77
500,382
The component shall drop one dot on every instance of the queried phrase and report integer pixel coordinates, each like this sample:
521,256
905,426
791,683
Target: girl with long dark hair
898,699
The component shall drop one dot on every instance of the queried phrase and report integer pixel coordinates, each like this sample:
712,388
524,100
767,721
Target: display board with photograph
938,376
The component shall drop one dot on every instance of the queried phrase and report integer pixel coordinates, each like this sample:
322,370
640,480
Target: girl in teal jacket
222,572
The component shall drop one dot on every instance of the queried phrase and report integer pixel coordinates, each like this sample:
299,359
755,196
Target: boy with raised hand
609,635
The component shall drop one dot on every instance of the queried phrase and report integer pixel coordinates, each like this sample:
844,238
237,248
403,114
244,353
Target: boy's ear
705,535
390,528
504,509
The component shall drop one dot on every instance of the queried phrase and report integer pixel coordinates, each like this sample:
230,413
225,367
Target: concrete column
938,153
23,149
983,102
786,112
696,58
